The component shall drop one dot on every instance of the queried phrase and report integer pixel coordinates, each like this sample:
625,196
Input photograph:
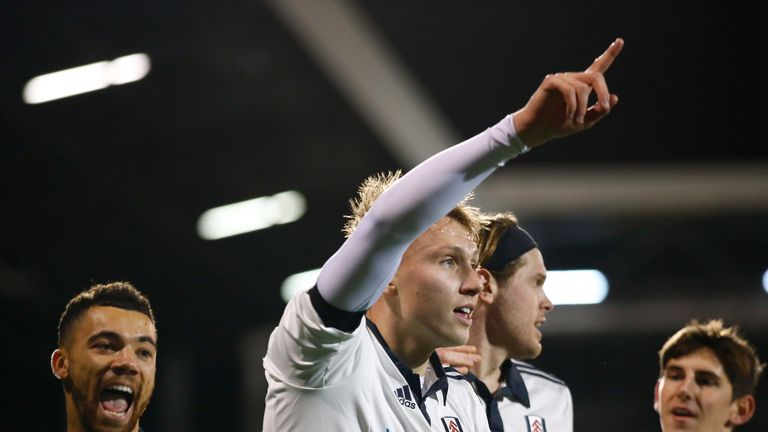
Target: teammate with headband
512,307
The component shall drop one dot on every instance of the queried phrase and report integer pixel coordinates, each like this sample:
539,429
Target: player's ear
490,288
391,288
742,409
656,397
59,364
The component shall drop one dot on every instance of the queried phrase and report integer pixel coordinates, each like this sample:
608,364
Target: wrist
521,143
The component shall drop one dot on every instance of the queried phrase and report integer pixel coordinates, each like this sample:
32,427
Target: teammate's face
519,308
108,369
437,285
694,394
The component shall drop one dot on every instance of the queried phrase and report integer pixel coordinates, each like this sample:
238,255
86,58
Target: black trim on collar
331,315
533,371
514,389
452,372
515,383
413,380
442,378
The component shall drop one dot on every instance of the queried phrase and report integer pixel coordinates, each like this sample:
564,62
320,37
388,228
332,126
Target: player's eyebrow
114,335
707,374
469,254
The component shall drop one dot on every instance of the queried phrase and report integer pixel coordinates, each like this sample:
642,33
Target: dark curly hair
121,295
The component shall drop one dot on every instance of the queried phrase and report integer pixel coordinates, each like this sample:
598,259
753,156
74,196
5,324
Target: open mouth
682,412
116,400
464,313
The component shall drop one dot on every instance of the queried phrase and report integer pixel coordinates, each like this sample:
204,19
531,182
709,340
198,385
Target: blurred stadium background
668,198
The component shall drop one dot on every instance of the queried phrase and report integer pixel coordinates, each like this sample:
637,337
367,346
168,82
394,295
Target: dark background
109,185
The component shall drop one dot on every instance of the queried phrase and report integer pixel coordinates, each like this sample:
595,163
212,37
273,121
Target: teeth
465,310
122,388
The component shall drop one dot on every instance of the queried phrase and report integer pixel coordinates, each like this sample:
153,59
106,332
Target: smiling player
106,358
708,379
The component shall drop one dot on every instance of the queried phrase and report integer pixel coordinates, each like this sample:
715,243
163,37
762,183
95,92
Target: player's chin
532,350
458,336
446,331
536,350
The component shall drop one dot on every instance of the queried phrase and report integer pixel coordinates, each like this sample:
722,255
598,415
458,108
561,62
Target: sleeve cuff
332,316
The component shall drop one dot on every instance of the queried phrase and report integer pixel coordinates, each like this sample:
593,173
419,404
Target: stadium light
297,283
251,215
88,78
765,281
572,287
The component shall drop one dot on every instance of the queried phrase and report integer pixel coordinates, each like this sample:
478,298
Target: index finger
602,63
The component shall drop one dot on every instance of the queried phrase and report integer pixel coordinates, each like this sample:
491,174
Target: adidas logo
403,395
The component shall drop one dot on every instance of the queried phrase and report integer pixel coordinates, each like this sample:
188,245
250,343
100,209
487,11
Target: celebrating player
409,267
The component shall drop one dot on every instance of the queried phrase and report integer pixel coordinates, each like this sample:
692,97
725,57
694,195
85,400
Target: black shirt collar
515,383
514,387
412,378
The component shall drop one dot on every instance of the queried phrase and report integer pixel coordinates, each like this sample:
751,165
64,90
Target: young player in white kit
512,306
410,271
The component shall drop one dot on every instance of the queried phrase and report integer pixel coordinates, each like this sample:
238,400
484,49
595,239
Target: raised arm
354,277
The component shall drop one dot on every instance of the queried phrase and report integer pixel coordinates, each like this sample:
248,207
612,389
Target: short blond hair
371,189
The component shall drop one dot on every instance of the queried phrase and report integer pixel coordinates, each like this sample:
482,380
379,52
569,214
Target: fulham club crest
535,424
452,424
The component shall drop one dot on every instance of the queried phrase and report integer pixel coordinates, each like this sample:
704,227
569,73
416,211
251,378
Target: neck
412,352
487,370
74,423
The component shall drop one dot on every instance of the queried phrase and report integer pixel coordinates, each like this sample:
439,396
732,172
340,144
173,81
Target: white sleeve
568,414
354,277
305,353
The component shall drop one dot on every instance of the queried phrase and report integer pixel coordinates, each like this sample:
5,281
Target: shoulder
302,351
302,320
529,371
